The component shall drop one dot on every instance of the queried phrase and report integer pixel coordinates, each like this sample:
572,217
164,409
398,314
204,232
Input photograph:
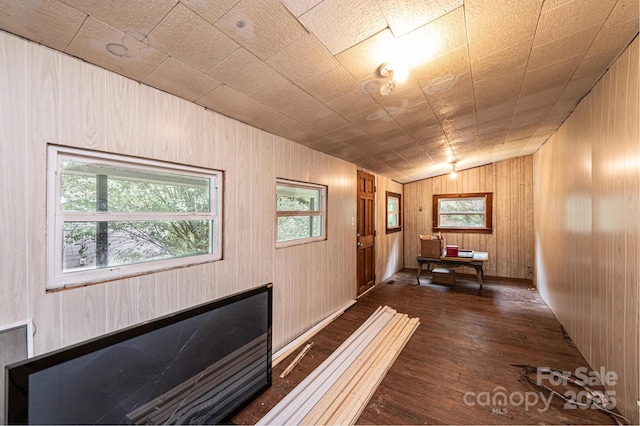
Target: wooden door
366,232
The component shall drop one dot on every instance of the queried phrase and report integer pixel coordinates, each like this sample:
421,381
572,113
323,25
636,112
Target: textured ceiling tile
48,22
303,60
420,114
364,59
209,10
280,95
513,58
110,48
407,15
593,67
181,80
348,133
552,4
562,48
374,121
227,101
353,102
328,123
614,38
133,17
300,7
305,109
443,69
341,24
331,85
624,10
432,40
289,129
428,134
570,18
541,78
497,24
456,101
403,140
190,39
504,87
244,72
261,116
262,27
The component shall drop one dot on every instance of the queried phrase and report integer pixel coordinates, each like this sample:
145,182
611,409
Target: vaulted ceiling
488,79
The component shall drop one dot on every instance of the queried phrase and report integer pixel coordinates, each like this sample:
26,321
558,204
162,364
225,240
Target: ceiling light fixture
453,173
394,76
387,87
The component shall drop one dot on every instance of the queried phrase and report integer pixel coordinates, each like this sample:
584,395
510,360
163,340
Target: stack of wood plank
340,388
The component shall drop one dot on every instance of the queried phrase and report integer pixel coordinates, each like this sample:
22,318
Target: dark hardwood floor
457,361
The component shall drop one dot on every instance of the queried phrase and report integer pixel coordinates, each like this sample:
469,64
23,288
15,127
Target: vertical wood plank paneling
121,129
225,159
632,239
389,247
121,304
83,314
246,227
510,246
43,80
146,297
586,192
13,197
146,112
83,125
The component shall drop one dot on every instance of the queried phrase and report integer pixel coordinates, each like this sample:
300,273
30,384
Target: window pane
462,220
298,227
133,242
392,220
392,204
469,205
290,198
130,190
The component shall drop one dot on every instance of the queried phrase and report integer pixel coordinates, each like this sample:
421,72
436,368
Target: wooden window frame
386,207
488,213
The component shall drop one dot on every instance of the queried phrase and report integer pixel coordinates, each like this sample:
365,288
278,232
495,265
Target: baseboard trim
286,350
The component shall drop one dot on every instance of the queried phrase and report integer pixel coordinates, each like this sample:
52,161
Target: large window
463,212
394,212
111,216
300,212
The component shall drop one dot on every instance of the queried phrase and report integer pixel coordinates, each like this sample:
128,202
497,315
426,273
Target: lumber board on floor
337,388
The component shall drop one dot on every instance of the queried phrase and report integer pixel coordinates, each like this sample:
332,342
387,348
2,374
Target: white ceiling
489,79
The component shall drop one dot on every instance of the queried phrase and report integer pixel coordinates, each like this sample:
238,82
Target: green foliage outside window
293,202
133,241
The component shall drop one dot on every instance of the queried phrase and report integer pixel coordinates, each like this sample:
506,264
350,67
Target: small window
111,216
394,212
463,212
301,209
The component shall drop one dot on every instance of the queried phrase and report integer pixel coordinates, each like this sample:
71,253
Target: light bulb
453,175
400,74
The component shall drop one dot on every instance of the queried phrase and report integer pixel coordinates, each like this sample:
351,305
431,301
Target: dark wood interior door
366,232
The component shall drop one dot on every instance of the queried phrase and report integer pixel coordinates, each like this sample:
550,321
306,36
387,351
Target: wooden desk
476,262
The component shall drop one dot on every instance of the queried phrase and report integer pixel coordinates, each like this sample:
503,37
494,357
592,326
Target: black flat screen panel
196,367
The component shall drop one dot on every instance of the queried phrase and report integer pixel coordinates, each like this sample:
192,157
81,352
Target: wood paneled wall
587,221
389,247
49,97
510,246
